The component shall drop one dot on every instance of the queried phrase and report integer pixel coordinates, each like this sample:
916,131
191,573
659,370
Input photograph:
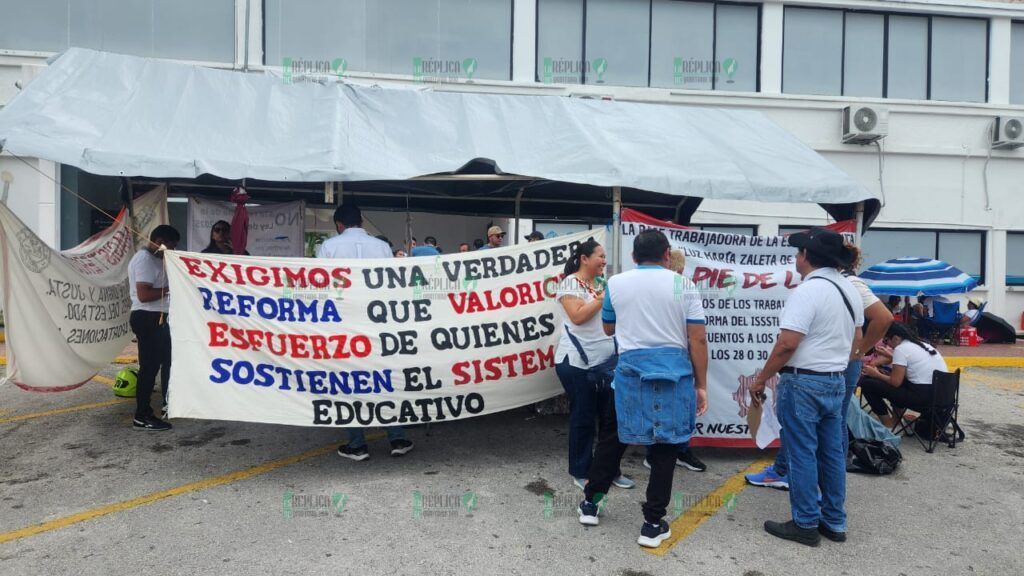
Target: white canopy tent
118,115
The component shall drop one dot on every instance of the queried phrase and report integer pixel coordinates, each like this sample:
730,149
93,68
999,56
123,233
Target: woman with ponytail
582,354
910,381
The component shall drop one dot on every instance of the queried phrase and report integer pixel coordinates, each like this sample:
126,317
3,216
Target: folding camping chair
938,415
945,321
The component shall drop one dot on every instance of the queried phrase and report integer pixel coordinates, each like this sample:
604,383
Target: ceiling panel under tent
117,115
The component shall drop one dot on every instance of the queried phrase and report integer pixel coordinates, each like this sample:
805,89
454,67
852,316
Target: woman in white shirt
910,381
582,350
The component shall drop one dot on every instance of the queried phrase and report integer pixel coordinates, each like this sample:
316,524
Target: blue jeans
852,378
357,436
589,402
809,411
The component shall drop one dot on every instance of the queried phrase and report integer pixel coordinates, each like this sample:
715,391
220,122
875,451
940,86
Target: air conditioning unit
864,124
1008,133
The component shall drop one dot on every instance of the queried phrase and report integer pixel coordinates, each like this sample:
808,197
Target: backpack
874,457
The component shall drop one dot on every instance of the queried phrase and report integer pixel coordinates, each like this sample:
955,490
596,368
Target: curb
955,362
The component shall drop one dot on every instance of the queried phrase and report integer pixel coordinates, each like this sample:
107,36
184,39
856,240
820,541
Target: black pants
877,392
154,338
608,454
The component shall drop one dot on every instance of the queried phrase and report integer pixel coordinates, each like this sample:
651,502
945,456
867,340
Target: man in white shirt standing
820,325
353,241
147,286
660,384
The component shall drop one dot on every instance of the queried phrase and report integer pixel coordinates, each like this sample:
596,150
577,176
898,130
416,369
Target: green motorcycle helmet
126,382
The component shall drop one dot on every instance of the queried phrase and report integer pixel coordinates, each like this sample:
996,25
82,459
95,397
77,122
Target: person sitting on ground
910,381
428,248
220,239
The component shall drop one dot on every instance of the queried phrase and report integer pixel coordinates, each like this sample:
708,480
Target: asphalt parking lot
82,493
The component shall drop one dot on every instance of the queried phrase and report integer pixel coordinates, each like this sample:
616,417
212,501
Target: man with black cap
534,236
820,325
353,241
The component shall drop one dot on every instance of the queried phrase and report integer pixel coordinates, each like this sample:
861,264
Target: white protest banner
274,229
66,313
312,342
744,282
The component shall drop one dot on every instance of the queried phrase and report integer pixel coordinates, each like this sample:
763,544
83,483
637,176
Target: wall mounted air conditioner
864,124
1008,133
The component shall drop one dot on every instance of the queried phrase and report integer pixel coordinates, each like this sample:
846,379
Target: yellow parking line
104,380
212,482
689,521
67,410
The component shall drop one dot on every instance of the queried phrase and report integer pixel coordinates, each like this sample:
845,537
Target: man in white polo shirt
660,383
353,241
819,327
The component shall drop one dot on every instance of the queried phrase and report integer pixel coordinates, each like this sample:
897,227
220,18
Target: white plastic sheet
123,115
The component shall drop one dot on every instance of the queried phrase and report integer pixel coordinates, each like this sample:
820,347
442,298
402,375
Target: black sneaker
357,454
790,531
151,424
831,534
690,461
401,447
652,535
588,513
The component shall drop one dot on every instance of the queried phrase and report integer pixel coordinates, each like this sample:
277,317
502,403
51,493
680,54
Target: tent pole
616,229
519,196
860,222
129,199
408,227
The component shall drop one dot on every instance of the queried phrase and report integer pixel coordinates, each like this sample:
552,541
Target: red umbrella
240,221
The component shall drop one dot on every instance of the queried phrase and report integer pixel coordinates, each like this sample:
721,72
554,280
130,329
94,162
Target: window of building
963,249
842,52
201,30
959,59
1017,63
692,45
1015,258
437,40
812,51
78,220
907,58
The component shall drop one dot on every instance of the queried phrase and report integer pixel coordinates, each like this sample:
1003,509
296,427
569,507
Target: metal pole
245,62
859,216
519,196
616,230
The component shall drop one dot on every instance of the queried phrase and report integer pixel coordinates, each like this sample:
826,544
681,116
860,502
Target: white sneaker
624,481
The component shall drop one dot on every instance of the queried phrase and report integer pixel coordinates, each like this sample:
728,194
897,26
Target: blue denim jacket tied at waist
654,396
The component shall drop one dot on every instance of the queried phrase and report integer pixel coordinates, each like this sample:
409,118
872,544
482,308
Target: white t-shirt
920,364
147,268
595,343
815,309
650,307
867,297
354,243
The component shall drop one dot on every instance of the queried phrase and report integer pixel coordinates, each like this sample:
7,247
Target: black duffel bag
874,457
